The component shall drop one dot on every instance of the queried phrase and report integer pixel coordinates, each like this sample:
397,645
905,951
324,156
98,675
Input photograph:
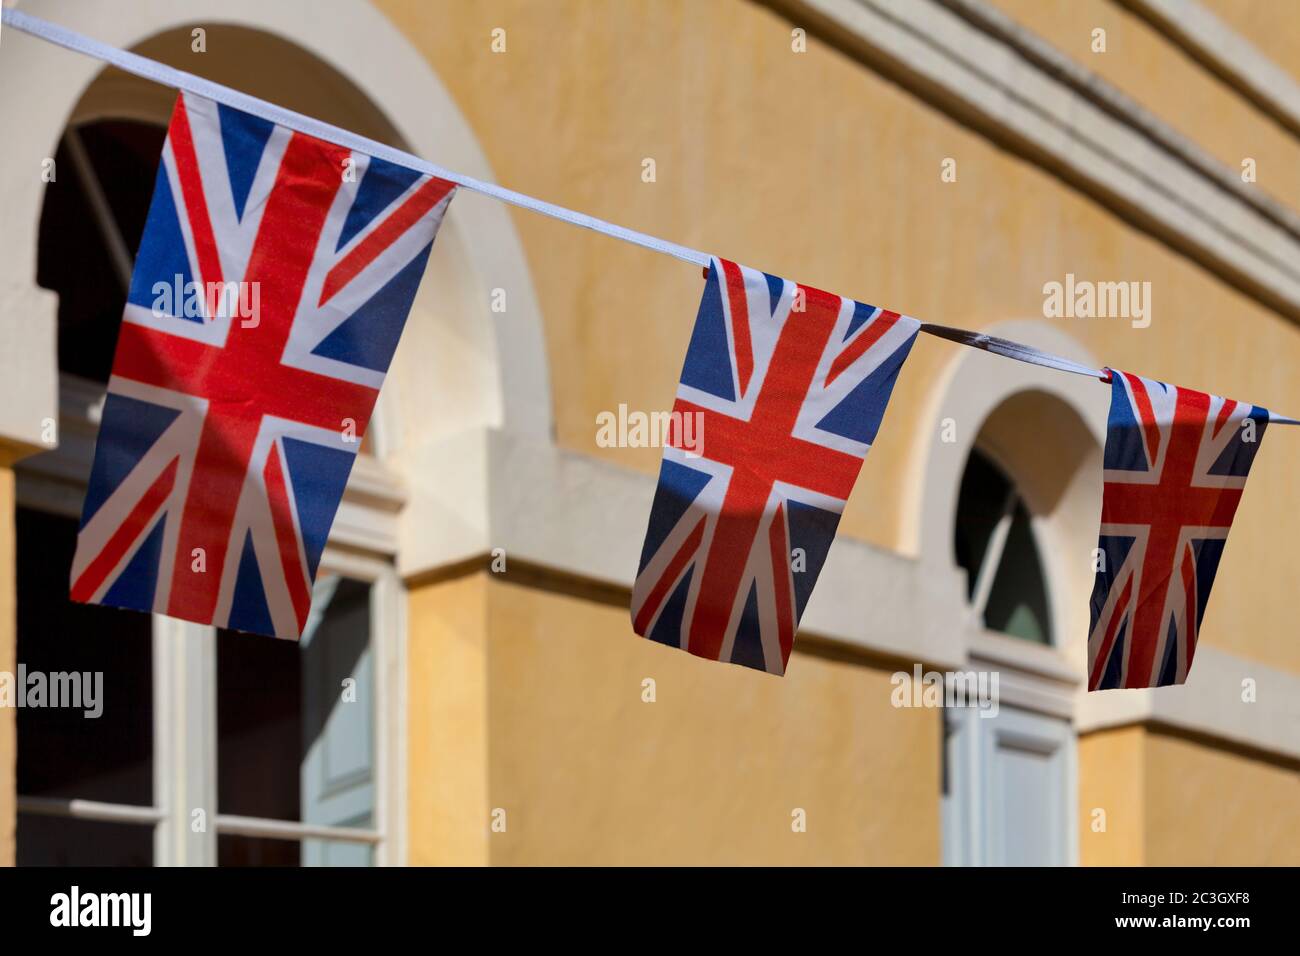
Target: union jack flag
227,437
784,387
1175,468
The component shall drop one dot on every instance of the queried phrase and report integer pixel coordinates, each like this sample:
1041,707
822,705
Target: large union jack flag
781,395
1175,468
228,433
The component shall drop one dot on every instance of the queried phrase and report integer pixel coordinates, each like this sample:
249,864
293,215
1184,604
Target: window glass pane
337,853
260,851
95,660
62,751
259,705
1017,603
235,850
295,720
63,841
980,503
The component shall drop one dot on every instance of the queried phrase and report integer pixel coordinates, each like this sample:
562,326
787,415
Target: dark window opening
74,256
994,543
62,752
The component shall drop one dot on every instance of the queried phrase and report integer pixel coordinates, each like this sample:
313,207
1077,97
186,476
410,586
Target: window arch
1045,431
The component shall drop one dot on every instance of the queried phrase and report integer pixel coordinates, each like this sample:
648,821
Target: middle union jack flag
273,279
781,396
1175,468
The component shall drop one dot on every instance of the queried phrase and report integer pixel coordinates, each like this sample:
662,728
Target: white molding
1030,692
1210,703
1038,660
368,517
1228,53
585,518
1076,124
184,741
1040,53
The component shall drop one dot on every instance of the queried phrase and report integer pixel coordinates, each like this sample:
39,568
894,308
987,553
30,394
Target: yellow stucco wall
531,702
814,166
1210,806
447,729
1111,780
1171,801
712,771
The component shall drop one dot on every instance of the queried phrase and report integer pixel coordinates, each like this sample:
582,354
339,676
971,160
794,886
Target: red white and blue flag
229,431
1175,465
781,395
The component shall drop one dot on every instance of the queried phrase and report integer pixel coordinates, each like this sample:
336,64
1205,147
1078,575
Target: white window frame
362,545
1035,682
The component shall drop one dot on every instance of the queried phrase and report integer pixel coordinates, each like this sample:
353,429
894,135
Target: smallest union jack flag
1175,468
781,395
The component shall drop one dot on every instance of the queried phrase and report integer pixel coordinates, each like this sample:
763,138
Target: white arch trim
355,40
970,389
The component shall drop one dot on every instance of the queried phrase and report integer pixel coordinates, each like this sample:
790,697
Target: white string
1013,350
180,80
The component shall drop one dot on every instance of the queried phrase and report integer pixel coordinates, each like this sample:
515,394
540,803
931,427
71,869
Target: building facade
947,158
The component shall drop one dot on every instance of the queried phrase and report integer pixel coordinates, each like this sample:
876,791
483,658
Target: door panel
338,766
1010,789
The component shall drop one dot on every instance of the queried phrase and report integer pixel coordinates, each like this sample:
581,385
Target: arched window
1024,508
280,744
995,545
